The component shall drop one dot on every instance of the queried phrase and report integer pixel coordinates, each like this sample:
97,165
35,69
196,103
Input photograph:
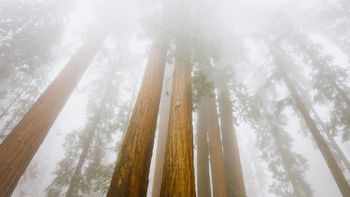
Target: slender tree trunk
75,179
285,163
19,147
233,166
162,136
178,173
90,133
338,175
215,148
204,187
332,143
130,176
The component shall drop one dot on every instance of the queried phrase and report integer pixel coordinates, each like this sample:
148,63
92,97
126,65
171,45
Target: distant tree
233,166
338,175
203,184
329,81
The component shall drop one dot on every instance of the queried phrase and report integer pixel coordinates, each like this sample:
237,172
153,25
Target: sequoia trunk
19,147
130,176
178,172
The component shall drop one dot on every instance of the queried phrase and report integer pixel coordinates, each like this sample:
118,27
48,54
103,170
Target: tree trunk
130,176
288,168
178,173
75,179
19,147
321,143
215,149
332,143
162,136
204,187
90,132
233,166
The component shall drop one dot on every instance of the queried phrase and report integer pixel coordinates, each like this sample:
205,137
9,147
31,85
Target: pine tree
326,152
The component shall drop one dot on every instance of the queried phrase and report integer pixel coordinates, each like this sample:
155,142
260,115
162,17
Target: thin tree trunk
130,176
284,159
178,173
217,163
91,133
338,175
19,147
162,136
204,187
332,143
75,179
233,166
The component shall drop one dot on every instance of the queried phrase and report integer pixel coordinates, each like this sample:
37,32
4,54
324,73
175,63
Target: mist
174,98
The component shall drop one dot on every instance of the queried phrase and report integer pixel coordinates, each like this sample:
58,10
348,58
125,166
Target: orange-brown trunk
178,173
130,176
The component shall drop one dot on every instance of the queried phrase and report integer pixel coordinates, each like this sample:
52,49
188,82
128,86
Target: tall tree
130,176
29,31
19,147
233,166
287,167
338,175
337,151
215,148
178,172
203,183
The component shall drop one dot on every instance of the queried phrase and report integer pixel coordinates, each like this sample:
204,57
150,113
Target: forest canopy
175,98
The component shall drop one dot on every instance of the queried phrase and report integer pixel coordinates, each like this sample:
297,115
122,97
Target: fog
173,97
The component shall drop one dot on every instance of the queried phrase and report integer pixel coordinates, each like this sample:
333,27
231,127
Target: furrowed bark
178,173
19,147
130,176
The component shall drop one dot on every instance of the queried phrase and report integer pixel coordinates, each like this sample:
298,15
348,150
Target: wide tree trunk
203,180
233,166
162,135
338,175
130,176
178,173
19,147
217,163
